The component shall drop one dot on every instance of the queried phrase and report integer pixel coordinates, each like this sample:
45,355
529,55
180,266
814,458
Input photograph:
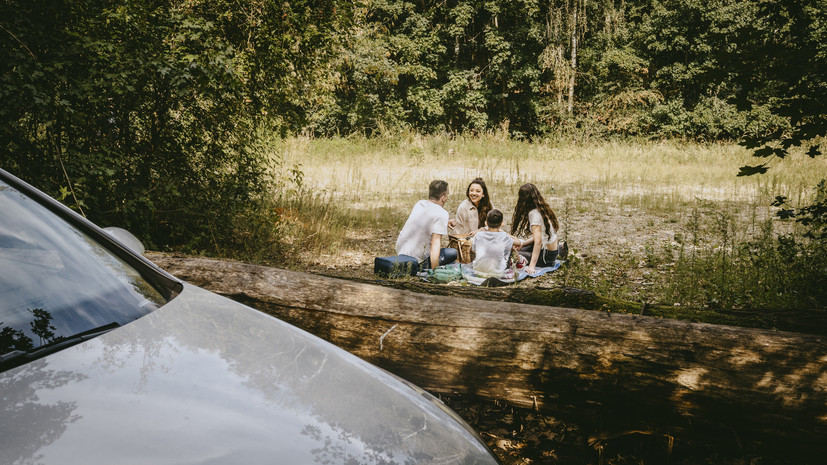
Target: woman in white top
472,212
533,216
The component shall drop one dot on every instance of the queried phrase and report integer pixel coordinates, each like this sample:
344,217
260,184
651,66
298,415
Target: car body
164,372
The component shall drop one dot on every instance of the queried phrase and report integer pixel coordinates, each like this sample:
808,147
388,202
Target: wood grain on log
644,372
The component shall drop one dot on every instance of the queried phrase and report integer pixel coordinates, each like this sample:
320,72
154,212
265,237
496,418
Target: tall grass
655,221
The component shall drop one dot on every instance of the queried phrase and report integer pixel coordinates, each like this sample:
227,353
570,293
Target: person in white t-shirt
492,246
533,217
421,237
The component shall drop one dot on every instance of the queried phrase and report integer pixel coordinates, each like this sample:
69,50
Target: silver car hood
205,380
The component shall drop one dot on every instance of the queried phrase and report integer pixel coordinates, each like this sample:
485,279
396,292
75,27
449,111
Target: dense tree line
144,113
697,69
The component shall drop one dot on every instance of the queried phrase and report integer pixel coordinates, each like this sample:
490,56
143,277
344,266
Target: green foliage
119,98
710,119
812,216
661,68
141,114
720,265
786,66
449,66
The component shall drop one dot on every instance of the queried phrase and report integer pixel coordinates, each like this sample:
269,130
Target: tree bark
619,373
573,61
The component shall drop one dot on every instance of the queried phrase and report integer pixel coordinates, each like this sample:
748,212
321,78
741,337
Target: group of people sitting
533,232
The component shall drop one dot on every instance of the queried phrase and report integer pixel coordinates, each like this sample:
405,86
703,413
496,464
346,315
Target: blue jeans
446,255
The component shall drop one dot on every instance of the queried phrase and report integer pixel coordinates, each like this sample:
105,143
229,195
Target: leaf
779,200
810,130
750,170
764,152
785,213
752,142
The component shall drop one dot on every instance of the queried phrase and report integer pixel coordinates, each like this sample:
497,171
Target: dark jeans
546,258
446,255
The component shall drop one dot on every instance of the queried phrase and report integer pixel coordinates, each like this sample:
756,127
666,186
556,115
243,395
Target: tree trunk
616,372
573,60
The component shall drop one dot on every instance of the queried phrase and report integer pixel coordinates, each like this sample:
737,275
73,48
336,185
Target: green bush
719,268
710,119
134,115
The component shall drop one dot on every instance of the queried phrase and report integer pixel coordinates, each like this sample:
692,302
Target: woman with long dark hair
533,217
472,212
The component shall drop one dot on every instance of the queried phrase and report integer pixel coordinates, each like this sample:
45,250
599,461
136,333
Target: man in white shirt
421,237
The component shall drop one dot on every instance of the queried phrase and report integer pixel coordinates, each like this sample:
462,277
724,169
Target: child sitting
492,247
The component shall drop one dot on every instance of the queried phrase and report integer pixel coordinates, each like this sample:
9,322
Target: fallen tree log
619,372
809,320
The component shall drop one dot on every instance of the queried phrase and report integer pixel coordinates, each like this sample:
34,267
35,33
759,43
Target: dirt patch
614,257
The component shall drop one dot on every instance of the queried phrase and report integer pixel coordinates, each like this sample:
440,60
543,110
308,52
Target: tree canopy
142,113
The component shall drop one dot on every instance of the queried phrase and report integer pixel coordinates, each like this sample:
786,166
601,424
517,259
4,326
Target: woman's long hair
485,202
528,199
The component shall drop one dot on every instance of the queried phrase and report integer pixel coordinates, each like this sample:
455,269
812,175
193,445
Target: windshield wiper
16,358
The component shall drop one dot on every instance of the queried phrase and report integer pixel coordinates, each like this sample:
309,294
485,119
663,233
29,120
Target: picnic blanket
460,272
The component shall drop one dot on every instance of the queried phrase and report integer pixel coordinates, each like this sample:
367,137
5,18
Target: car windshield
56,282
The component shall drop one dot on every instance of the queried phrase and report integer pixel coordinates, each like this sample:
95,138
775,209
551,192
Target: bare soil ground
622,241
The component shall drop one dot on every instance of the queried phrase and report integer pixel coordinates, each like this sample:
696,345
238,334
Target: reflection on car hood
207,380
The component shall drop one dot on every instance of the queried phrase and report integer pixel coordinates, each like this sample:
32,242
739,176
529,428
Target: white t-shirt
535,218
492,249
425,219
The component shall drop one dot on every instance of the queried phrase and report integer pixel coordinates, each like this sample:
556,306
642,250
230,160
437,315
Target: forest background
179,119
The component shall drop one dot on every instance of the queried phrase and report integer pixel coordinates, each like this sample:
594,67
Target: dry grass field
644,220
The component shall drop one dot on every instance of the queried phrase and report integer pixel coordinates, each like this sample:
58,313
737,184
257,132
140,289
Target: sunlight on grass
367,173
627,208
